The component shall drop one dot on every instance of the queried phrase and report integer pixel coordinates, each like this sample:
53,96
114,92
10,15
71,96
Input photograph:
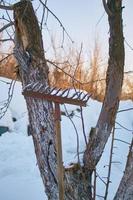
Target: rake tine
40,88
87,98
84,97
79,96
75,94
34,86
46,89
64,92
68,92
58,91
51,90
27,87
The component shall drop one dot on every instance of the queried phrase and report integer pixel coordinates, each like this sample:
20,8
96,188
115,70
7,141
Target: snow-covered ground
19,174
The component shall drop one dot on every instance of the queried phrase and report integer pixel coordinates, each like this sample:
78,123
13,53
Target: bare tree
29,53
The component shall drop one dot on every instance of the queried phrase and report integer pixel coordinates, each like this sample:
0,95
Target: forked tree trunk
29,53
30,56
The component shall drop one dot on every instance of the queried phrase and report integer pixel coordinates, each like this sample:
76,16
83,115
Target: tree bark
125,190
33,68
114,80
29,54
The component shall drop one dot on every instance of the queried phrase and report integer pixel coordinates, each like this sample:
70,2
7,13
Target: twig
5,82
100,19
110,165
5,58
10,95
73,78
128,44
83,125
6,26
122,141
43,14
6,40
94,188
56,19
124,110
75,132
124,127
100,178
6,7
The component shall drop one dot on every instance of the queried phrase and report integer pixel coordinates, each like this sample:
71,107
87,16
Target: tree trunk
29,54
125,190
114,80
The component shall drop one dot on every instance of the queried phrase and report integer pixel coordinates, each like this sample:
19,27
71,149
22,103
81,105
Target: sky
85,20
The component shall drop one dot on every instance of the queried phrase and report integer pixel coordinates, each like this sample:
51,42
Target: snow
19,174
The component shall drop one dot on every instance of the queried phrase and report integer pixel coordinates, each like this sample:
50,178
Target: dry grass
71,71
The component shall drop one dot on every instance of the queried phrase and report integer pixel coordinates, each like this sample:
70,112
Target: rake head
57,95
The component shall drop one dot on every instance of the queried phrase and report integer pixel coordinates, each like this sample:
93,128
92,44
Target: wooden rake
58,96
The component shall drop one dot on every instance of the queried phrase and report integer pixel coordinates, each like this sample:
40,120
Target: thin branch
8,14
95,184
75,132
127,43
100,178
5,82
100,19
6,40
5,107
110,165
5,58
128,72
122,141
73,78
124,127
43,14
108,11
124,110
6,7
83,125
6,26
56,19
52,63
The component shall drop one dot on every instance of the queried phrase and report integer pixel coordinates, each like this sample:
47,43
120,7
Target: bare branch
5,58
122,141
6,40
64,30
108,11
110,165
128,109
76,131
6,7
6,26
129,130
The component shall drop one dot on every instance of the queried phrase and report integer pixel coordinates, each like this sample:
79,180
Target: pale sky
81,17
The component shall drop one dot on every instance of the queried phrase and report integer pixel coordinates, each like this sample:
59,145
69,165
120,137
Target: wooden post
60,168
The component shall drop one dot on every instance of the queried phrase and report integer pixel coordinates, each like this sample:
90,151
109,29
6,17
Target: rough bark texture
33,68
125,190
114,81
29,53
